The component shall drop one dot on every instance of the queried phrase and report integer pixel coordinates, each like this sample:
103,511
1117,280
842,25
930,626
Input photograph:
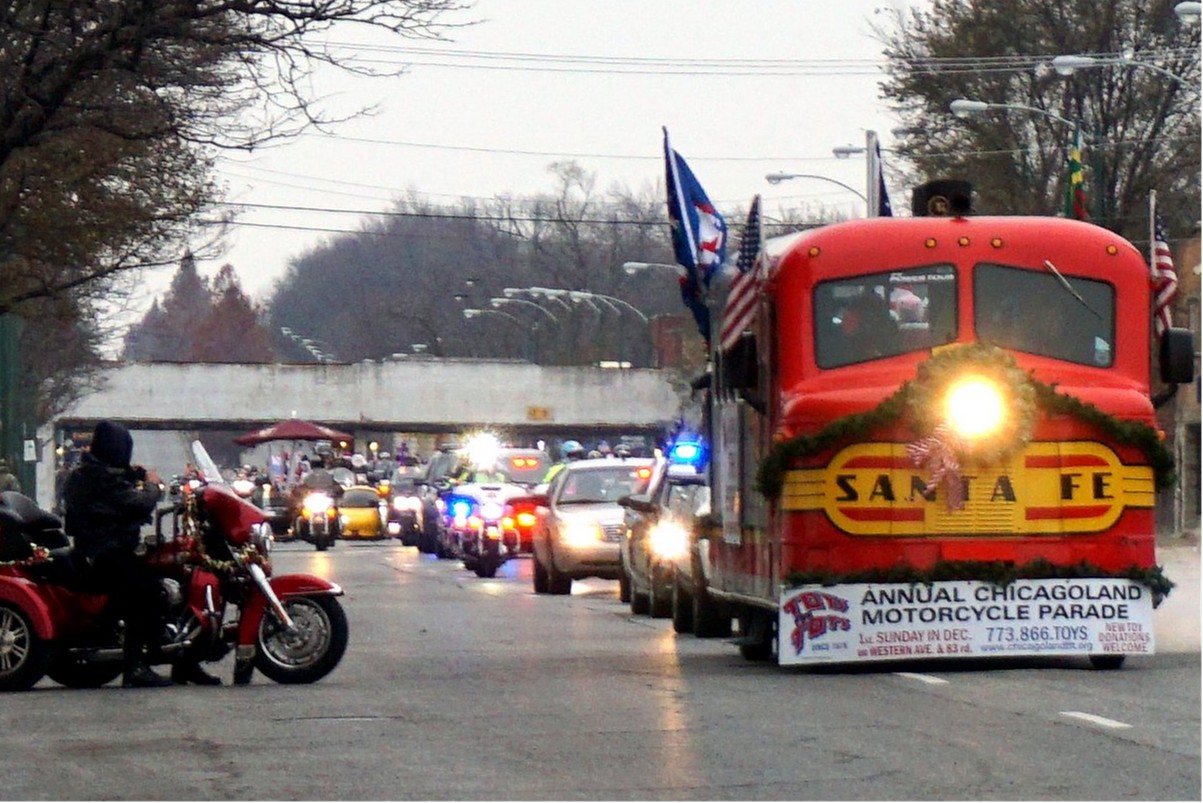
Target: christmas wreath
919,401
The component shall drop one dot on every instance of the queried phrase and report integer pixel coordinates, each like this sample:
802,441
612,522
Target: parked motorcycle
478,531
216,575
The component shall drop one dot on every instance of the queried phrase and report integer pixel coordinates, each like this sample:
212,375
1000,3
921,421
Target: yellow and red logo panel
1049,488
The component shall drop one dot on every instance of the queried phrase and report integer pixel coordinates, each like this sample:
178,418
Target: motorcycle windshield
206,466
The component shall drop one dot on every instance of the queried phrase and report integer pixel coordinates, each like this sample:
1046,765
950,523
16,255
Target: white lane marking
1097,720
924,678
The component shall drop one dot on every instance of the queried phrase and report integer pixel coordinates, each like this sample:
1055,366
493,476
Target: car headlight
581,533
974,407
668,540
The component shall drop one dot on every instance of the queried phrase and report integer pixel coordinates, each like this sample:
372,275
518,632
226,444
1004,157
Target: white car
580,523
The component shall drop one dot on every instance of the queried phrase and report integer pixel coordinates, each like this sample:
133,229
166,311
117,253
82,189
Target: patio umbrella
293,429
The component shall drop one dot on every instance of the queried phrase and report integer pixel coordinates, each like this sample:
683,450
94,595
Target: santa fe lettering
1097,485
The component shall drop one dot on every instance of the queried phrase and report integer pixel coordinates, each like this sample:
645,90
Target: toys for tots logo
815,614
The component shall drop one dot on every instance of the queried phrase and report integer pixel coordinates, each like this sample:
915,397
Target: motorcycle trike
215,571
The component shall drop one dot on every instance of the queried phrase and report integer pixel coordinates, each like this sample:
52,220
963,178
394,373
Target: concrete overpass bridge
166,405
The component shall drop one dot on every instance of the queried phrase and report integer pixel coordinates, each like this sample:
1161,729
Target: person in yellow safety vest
572,450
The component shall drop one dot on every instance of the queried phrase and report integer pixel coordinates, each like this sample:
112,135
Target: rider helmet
572,450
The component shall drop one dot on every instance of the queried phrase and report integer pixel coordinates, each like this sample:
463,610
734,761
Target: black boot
140,676
183,673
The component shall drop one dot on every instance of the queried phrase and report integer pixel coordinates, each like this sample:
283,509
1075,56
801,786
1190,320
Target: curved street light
777,178
529,329
631,268
967,107
497,302
1188,12
1069,64
583,295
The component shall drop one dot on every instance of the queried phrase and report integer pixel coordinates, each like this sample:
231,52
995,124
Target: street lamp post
530,341
777,178
1069,64
967,107
873,172
496,302
631,268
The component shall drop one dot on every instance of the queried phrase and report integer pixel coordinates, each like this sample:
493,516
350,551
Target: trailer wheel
1107,662
756,629
710,619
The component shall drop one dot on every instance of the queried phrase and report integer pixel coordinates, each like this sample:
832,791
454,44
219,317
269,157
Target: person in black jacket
105,503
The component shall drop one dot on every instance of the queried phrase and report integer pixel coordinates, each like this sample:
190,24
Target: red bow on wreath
938,454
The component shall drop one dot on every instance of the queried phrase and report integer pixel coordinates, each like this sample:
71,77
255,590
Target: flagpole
1153,235
872,169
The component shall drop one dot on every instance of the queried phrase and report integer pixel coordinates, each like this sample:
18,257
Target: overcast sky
467,122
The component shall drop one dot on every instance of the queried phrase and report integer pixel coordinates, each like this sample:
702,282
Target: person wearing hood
106,500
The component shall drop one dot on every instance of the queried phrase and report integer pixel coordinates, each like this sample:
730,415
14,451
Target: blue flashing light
460,508
686,452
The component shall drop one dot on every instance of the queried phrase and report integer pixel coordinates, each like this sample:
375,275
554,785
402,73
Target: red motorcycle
216,576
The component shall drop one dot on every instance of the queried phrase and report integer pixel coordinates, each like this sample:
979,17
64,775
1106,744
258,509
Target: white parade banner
902,621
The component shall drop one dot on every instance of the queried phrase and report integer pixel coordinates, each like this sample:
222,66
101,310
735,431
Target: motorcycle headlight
974,408
243,487
317,503
490,511
404,503
581,533
668,540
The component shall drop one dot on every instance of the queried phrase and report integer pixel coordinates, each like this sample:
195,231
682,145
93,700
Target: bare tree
1138,109
110,113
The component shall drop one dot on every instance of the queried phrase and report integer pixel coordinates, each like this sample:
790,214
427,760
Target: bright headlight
668,540
581,533
974,407
490,511
317,503
404,503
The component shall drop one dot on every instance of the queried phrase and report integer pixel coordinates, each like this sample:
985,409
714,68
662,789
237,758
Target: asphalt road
460,688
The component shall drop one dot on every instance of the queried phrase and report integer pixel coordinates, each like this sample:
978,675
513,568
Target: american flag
1164,278
741,296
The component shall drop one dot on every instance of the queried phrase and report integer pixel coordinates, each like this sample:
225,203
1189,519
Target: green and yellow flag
1075,195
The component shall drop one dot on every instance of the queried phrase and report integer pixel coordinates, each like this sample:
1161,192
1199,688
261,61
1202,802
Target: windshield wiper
1065,283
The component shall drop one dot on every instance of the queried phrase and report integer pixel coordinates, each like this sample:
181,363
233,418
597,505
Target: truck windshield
879,315
1032,310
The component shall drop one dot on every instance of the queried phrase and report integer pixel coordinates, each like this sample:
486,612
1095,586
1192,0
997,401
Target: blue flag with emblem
699,234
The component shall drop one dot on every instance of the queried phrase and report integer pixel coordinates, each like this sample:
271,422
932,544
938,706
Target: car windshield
1045,312
359,497
877,315
603,484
